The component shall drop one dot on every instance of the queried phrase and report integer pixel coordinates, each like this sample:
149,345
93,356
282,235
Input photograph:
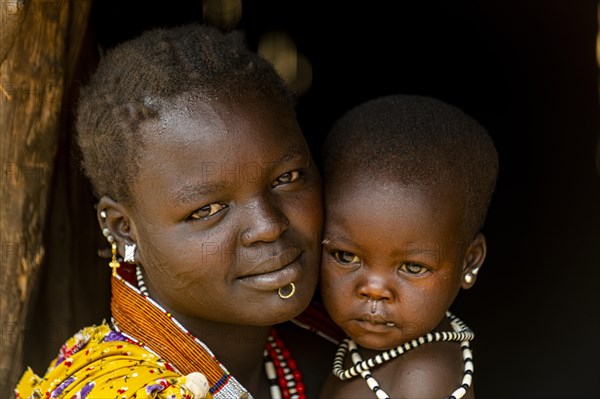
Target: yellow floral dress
144,353
98,362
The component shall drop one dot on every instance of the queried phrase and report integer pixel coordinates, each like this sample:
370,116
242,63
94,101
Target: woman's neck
239,348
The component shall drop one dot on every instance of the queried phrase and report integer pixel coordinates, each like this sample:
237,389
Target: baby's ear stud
469,277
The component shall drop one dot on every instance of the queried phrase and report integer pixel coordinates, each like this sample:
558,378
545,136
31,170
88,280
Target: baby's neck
368,353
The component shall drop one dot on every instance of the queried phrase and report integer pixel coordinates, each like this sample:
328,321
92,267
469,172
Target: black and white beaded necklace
460,333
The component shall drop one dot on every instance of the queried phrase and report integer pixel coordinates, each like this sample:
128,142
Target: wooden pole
39,46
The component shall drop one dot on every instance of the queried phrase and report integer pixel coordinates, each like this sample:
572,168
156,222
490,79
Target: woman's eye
288,177
344,257
208,211
413,268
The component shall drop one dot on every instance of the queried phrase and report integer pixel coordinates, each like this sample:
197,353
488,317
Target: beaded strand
140,281
461,333
285,373
371,381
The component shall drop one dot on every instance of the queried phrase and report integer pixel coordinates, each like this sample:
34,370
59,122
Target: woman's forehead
207,145
250,117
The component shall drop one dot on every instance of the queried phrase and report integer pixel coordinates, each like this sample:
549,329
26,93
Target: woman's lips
275,272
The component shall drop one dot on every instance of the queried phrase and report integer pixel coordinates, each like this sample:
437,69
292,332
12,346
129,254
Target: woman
208,192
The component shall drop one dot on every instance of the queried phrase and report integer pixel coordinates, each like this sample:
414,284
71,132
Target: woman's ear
473,260
115,221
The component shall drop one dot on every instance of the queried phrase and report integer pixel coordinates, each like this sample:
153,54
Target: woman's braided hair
135,81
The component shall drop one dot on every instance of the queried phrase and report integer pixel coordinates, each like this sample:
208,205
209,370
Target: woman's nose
265,222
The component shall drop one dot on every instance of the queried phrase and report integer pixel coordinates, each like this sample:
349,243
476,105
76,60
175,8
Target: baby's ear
473,260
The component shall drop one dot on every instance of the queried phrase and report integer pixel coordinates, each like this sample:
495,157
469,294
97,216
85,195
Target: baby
408,182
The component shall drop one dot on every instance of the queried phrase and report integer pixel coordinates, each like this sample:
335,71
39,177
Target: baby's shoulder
430,371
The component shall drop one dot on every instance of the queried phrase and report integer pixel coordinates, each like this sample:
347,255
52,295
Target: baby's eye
413,268
287,177
208,211
345,258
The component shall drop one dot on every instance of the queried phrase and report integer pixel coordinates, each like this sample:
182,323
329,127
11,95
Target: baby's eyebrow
429,252
339,239
419,250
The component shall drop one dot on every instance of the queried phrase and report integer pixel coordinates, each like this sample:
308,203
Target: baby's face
392,259
227,210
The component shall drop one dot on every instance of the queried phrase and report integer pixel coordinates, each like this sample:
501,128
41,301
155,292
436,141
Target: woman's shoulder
102,362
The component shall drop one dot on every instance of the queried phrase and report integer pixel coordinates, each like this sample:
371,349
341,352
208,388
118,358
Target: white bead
197,384
469,366
372,383
459,393
468,379
275,392
270,370
382,395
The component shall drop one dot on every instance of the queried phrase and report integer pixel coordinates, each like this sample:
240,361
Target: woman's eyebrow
292,154
192,191
203,188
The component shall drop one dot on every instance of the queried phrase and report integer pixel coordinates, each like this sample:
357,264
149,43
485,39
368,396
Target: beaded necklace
283,375
461,333
284,378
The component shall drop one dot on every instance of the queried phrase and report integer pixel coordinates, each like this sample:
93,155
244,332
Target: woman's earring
106,233
105,230
129,253
114,263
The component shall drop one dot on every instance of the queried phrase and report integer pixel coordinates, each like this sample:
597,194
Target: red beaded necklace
282,371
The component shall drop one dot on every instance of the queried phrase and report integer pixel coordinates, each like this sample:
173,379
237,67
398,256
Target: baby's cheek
328,274
334,286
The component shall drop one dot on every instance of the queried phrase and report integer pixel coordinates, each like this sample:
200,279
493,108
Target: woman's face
226,210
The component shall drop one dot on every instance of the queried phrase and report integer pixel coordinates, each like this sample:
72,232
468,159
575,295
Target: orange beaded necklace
138,316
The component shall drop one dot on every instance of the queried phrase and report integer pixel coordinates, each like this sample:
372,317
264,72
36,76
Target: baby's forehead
359,175
360,184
